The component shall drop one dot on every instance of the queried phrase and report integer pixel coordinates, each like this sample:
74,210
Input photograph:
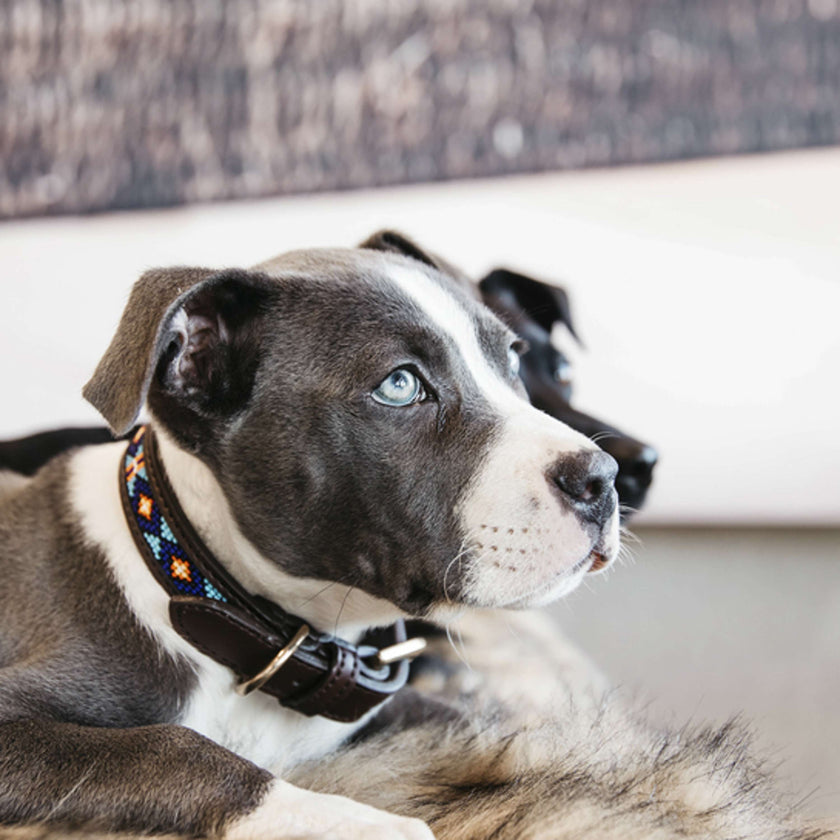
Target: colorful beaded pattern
180,572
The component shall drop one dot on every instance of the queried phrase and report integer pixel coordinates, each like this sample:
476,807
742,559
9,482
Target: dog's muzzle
586,482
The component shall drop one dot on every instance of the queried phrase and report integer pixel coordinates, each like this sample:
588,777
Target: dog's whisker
599,436
510,628
460,653
341,608
320,592
626,555
477,561
463,550
627,536
463,646
70,794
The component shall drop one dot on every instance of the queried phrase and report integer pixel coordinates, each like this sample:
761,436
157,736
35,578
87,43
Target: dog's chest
256,727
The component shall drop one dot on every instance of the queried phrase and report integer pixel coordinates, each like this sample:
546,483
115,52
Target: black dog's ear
183,328
390,240
544,303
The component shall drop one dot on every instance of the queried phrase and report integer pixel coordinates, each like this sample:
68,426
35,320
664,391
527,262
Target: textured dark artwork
107,104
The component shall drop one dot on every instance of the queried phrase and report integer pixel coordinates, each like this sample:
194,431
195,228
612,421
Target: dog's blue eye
513,362
400,388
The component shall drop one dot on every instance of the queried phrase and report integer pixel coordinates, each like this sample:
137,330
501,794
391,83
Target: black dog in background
528,306
532,308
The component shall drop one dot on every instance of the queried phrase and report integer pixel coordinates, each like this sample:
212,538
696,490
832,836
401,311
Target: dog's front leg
167,778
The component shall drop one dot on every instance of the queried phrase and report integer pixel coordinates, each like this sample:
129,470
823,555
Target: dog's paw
291,813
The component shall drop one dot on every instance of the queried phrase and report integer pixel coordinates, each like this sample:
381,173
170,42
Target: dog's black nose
586,480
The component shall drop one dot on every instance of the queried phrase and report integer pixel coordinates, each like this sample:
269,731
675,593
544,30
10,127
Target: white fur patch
448,315
289,811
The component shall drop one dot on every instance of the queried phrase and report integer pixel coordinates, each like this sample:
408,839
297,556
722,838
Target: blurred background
674,165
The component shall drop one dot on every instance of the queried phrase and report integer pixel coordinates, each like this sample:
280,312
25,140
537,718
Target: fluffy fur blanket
544,750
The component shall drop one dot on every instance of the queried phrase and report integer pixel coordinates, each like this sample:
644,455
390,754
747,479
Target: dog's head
532,308
364,418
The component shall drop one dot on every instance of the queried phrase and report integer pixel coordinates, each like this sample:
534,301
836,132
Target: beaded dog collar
266,647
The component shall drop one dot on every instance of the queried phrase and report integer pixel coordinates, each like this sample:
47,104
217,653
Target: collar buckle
244,688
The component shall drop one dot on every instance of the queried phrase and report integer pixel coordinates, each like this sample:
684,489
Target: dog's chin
545,592
525,572
555,589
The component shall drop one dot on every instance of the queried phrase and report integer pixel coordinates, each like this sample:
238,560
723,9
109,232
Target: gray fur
115,779
69,648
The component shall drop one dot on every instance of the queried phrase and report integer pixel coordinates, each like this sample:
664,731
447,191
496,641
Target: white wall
707,294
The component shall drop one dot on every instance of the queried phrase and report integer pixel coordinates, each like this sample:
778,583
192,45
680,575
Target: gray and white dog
344,432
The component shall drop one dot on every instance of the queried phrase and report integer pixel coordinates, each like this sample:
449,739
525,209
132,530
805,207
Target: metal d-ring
283,656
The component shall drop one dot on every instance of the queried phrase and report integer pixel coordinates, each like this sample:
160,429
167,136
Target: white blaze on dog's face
524,543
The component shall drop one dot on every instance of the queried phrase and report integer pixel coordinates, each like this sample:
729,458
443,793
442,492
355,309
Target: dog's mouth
597,560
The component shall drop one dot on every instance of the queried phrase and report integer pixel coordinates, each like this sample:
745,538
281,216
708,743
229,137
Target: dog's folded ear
396,243
545,304
184,329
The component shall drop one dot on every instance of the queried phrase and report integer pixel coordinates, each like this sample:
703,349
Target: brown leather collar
266,647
